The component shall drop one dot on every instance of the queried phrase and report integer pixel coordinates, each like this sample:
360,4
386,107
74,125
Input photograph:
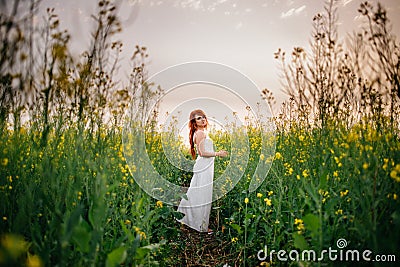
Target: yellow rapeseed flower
33,261
159,204
270,193
14,244
268,201
289,169
339,211
394,196
352,137
394,174
259,195
234,239
278,155
300,225
385,165
337,160
246,200
345,145
4,162
344,193
298,221
142,235
397,168
365,166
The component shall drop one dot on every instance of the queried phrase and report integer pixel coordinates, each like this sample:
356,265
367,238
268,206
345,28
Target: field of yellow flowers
75,202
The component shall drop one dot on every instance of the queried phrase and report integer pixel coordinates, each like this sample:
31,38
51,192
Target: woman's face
201,120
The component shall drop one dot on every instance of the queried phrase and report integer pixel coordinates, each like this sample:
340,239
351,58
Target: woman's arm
199,140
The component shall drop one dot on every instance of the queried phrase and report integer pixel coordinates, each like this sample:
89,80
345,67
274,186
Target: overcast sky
241,34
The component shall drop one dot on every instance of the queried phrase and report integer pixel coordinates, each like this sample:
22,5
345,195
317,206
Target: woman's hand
221,153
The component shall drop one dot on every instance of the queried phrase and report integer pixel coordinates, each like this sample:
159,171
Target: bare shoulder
199,135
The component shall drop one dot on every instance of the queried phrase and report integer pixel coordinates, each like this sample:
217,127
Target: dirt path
202,249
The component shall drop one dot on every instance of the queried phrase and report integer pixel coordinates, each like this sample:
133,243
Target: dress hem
191,226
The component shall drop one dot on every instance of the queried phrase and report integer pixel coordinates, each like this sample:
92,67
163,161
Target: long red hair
193,128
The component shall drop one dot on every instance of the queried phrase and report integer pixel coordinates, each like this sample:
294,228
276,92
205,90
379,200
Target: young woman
197,206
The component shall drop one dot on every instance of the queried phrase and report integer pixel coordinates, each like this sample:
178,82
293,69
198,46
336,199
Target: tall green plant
336,81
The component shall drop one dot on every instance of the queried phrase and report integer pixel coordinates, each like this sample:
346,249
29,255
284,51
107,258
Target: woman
197,206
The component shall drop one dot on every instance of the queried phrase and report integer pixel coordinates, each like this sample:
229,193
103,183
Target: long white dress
197,207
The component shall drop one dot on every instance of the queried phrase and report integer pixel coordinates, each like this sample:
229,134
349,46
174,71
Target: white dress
197,207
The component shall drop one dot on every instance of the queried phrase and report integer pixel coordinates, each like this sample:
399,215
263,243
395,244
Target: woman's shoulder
200,134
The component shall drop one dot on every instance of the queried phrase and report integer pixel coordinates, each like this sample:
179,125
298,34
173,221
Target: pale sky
241,34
